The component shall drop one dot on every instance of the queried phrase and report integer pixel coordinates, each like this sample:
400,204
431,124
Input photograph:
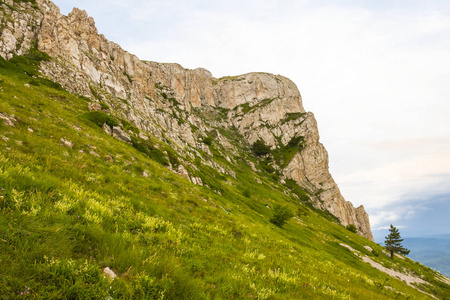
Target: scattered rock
368,248
94,106
8,120
109,273
252,165
30,129
106,128
121,135
67,143
143,136
181,170
76,127
196,180
118,133
93,153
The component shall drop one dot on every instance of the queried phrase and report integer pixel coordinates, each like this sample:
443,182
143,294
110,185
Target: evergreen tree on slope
394,241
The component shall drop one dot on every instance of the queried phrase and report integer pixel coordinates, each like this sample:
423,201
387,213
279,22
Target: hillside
164,185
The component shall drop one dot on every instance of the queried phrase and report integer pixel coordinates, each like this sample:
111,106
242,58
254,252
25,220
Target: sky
374,73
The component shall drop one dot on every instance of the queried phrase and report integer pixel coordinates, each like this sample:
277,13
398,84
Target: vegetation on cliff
74,200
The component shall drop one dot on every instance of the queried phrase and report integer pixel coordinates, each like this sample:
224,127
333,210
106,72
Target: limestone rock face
20,23
177,105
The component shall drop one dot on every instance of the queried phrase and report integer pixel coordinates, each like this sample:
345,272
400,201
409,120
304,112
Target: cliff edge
181,106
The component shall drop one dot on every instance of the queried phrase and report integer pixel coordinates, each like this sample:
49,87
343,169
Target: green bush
129,127
301,211
352,228
103,105
281,214
296,189
269,169
295,141
29,63
99,118
207,140
173,159
151,151
45,82
259,148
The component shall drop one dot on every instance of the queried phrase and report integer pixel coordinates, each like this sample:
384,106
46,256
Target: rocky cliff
180,106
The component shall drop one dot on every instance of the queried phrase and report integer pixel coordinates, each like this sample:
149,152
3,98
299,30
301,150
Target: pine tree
394,241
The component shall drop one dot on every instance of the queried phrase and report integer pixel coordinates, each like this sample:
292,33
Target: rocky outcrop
178,105
20,24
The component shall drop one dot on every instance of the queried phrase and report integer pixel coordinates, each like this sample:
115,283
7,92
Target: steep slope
75,201
167,98
87,182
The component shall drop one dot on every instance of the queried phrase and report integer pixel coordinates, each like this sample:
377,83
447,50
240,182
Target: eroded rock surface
172,103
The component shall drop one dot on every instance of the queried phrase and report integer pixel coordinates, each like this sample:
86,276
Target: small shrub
295,141
36,54
129,127
173,159
246,193
269,168
352,228
301,211
151,151
259,148
104,106
281,214
34,82
207,140
296,189
375,252
128,77
49,83
99,118
94,92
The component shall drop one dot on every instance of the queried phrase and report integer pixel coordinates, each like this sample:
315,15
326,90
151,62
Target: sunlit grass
68,212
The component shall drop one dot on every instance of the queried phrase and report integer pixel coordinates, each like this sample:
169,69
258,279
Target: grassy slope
67,214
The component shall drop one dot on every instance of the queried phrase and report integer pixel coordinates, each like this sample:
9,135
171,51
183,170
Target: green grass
66,214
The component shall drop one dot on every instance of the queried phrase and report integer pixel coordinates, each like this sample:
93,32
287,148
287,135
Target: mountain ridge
95,206
260,106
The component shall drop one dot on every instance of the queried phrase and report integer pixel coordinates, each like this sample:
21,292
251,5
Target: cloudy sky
376,74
